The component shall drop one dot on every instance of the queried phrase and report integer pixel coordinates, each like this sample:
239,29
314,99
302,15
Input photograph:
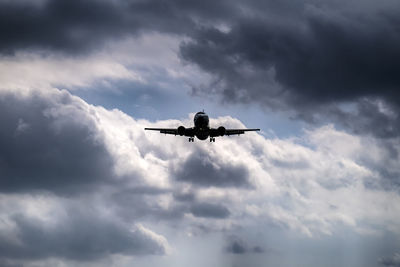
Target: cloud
393,261
131,205
202,170
335,60
313,185
10,264
306,62
320,62
377,117
49,142
146,172
235,245
75,27
75,233
27,70
208,210
307,57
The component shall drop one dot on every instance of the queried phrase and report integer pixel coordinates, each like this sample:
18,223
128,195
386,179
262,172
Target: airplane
201,129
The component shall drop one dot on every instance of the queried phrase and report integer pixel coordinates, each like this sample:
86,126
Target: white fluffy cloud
314,184
136,60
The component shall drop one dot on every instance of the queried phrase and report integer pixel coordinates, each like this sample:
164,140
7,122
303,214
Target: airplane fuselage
201,125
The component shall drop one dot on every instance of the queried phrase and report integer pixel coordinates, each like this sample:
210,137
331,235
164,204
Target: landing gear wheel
191,139
212,139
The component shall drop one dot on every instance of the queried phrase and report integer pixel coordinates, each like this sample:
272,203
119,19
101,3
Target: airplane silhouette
201,129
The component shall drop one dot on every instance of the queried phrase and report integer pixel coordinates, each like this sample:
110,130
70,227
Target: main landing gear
212,139
191,139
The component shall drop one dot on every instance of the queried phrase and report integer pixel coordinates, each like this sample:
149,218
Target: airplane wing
174,131
238,131
221,131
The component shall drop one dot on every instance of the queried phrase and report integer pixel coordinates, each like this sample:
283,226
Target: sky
82,183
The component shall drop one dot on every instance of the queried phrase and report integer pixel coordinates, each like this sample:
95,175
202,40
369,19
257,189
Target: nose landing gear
212,139
191,139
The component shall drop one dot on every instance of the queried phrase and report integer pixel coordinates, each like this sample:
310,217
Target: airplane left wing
175,131
164,130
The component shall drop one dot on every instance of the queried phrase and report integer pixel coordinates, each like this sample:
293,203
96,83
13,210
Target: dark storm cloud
82,235
236,245
62,25
320,57
316,58
305,56
40,150
184,197
209,210
7,263
203,170
374,116
75,26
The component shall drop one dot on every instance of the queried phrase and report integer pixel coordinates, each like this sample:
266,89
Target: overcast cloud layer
84,185
307,56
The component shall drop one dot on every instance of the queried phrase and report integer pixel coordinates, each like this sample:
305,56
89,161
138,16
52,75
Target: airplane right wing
238,131
221,131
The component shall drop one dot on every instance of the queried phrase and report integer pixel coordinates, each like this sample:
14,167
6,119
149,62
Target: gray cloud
132,205
8,263
43,149
235,245
209,210
306,56
393,261
165,195
202,170
49,141
374,116
82,235
318,58
184,197
74,26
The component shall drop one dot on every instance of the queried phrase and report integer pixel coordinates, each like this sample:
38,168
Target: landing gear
191,139
212,139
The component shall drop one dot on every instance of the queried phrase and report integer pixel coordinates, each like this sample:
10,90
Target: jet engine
181,130
221,131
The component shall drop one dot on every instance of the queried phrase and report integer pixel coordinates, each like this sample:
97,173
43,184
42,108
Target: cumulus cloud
64,229
204,170
50,142
312,185
209,210
235,245
130,190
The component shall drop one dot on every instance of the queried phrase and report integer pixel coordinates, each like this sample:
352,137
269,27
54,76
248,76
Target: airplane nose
201,121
